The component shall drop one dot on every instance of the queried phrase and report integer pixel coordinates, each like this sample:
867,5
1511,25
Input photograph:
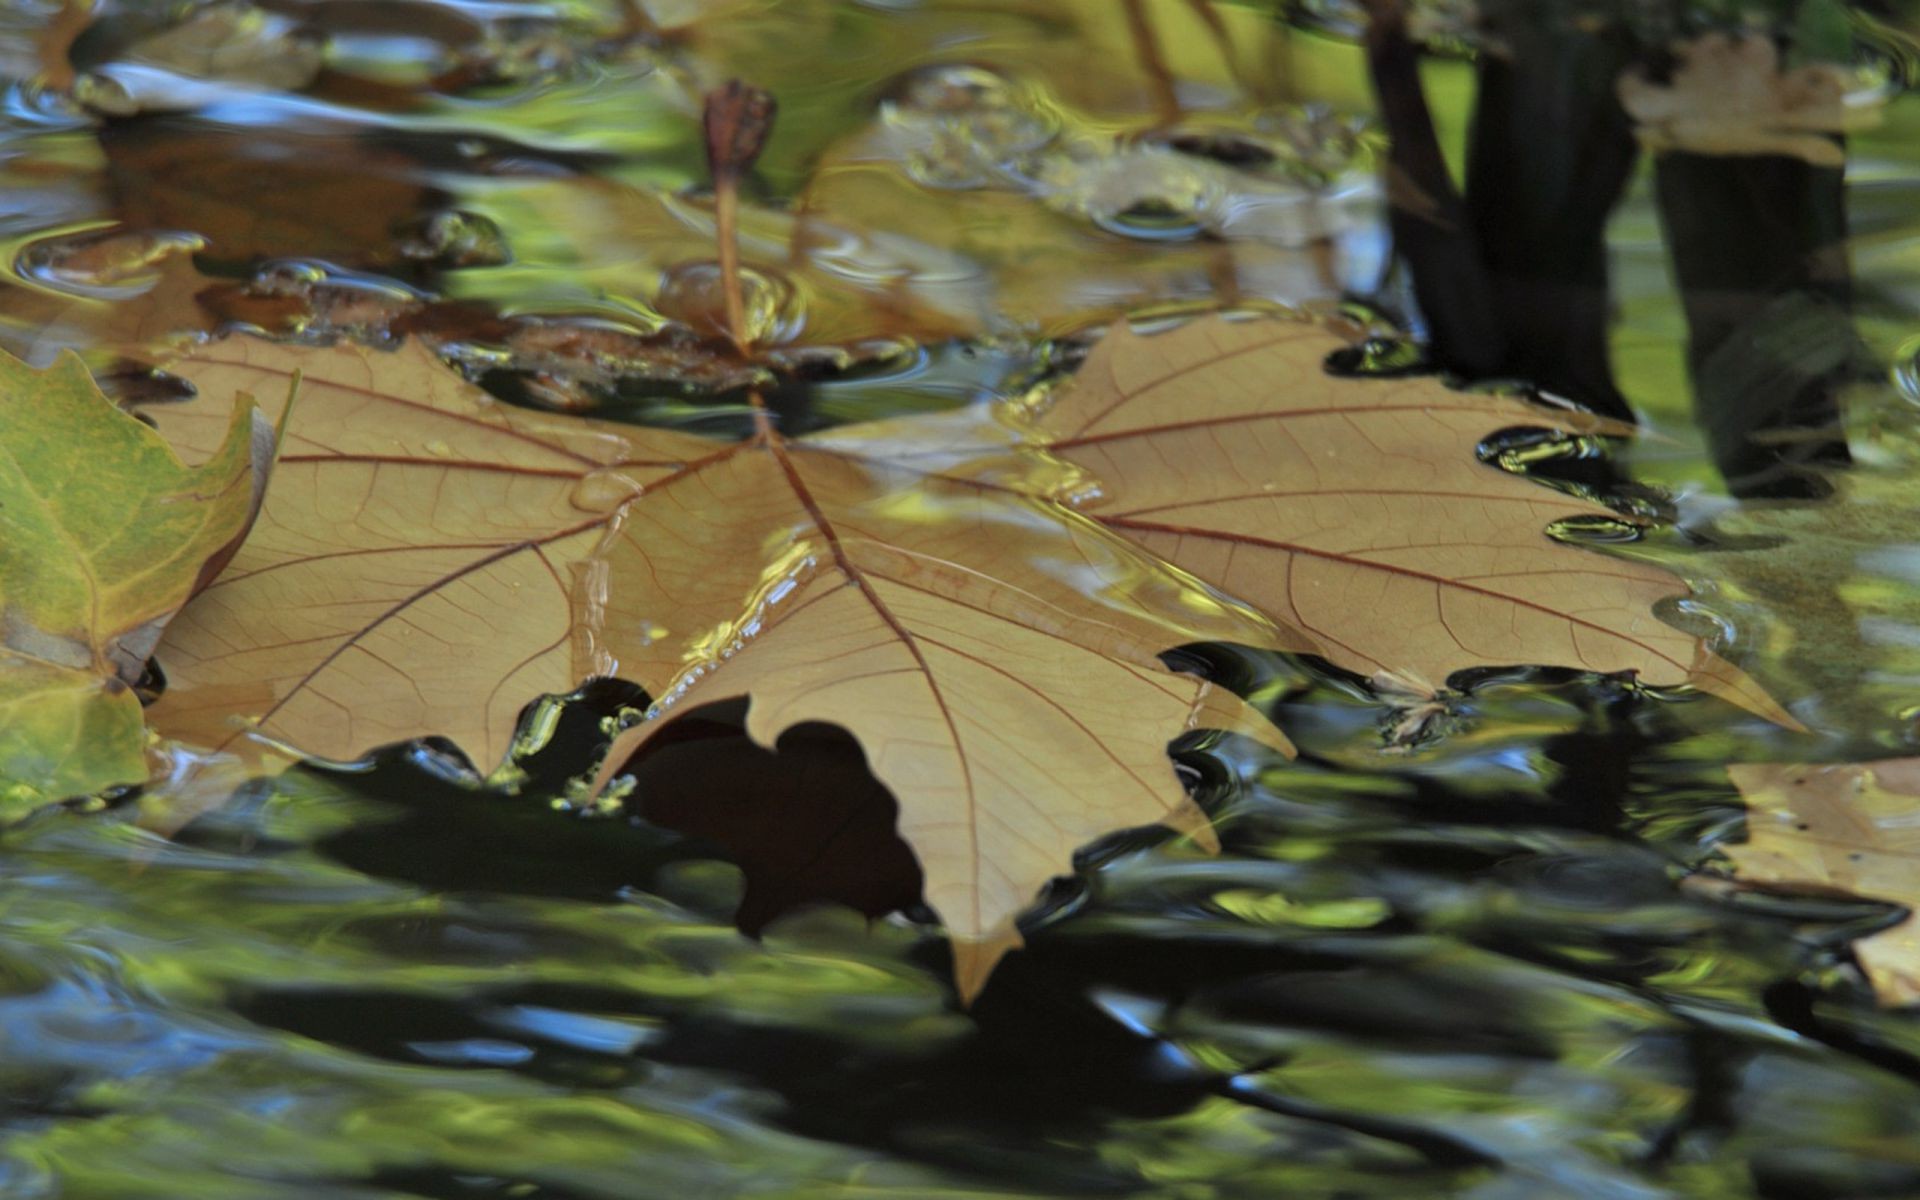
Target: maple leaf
981,600
104,534
1357,512
427,560
1854,827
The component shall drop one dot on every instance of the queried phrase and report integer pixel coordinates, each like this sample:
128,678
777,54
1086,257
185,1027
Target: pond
1477,965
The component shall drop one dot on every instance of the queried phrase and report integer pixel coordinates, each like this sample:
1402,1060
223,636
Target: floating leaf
1356,511
104,534
315,188
982,602
1729,96
429,560
1850,826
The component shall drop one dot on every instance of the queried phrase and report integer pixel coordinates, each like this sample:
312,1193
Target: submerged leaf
1850,826
104,534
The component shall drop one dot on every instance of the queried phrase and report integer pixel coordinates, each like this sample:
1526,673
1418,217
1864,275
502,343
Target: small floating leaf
1850,826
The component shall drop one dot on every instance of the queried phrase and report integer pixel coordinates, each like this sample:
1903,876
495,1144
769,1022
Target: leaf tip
1718,677
974,960
1216,708
1191,820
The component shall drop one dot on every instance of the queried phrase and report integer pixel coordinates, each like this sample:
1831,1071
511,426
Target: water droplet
538,726
1378,358
1695,616
604,490
1596,529
1527,449
1080,494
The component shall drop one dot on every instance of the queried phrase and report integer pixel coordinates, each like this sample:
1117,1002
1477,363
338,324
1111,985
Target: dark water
1474,970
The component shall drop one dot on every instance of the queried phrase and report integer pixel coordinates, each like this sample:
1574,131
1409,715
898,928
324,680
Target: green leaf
104,534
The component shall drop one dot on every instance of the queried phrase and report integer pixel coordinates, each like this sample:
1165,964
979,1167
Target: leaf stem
737,121
726,219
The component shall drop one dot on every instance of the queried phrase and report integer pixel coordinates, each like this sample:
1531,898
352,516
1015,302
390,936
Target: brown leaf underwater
980,597
1854,827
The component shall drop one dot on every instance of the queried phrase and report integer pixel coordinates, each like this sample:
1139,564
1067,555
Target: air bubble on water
693,293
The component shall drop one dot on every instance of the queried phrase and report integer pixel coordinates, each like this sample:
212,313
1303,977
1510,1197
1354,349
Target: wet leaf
104,534
1356,512
1729,96
1850,826
981,599
429,560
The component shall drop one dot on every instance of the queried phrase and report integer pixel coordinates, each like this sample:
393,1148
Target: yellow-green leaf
104,534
